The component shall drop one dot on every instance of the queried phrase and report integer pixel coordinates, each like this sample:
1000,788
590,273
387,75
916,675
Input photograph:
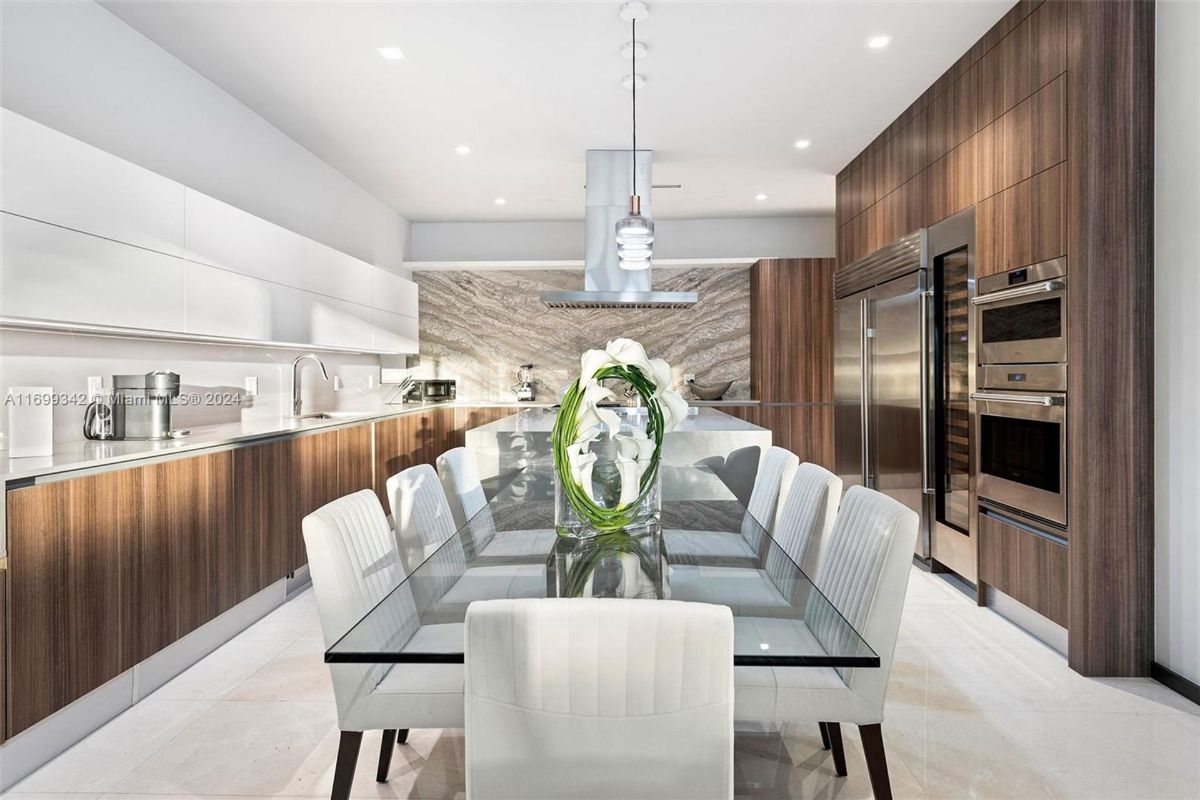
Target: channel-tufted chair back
354,563
806,517
460,480
774,473
420,513
864,574
598,698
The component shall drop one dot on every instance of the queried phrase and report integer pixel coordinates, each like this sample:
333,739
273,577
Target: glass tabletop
707,548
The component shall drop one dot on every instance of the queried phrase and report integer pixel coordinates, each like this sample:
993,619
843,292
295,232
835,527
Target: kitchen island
505,446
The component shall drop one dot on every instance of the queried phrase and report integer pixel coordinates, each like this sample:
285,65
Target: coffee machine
137,407
524,387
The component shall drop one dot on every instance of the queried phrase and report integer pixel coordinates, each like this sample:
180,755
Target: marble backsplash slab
479,326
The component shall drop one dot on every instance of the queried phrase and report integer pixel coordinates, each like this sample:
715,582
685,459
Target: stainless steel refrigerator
880,375
903,374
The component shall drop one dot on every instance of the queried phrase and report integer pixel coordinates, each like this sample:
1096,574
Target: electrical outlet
95,385
689,377
251,386
337,383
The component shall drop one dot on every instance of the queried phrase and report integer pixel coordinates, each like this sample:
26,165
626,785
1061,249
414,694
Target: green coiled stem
566,429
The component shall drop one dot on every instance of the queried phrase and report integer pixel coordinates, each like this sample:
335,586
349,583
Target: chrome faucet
296,379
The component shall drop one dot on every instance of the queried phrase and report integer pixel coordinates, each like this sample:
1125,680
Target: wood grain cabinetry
105,570
1029,568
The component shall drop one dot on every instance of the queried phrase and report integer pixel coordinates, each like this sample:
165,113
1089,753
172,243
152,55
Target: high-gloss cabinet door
894,352
848,389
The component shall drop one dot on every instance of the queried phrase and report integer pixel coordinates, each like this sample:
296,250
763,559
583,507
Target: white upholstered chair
354,564
775,469
420,513
589,698
806,515
460,480
802,525
864,574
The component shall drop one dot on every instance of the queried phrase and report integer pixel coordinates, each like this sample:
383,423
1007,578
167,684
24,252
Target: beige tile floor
976,709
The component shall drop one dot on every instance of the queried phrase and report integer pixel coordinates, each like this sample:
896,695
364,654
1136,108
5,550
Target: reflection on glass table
708,549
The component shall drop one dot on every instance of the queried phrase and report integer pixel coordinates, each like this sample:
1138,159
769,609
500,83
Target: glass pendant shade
635,238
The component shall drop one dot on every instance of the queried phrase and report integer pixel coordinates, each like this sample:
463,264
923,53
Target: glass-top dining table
706,548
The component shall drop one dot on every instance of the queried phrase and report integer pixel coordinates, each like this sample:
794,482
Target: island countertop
541,420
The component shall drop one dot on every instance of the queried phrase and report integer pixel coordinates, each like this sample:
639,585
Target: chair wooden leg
347,757
872,741
385,755
401,736
824,736
834,730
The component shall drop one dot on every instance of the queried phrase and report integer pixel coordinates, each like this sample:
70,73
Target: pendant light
635,233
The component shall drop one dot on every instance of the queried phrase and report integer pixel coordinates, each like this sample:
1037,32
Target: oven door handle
1022,399
1019,291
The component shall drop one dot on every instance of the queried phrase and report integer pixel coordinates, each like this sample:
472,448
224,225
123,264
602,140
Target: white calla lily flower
629,353
674,409
590,414
660,374
581,461
592,362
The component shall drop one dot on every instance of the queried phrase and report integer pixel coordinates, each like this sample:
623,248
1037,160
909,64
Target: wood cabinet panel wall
1046,126
107,569
994,120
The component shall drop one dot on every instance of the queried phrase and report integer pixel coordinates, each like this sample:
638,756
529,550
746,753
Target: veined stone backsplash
479,326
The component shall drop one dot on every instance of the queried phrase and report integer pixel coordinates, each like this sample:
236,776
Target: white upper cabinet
334,273
394,333
54,273
336,323
196,266
223,236
50,176
394,293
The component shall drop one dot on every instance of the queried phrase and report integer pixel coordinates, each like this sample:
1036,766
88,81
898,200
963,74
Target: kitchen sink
320,415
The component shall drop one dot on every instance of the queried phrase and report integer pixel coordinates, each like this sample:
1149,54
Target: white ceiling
531,85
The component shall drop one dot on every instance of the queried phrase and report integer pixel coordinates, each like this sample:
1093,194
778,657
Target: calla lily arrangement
582,421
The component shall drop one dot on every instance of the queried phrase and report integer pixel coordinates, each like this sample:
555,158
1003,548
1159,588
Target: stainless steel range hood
605,284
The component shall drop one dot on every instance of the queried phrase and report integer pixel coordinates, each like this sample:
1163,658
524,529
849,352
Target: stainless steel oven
1021,315
1021,438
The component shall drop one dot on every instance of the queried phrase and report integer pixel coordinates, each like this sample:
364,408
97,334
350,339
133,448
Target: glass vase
606,488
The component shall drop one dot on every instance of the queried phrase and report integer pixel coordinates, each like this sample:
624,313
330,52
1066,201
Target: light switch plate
95,386
337,383
251,386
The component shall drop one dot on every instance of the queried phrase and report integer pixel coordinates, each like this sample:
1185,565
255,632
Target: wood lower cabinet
105,570
412,439
806,430
1028,568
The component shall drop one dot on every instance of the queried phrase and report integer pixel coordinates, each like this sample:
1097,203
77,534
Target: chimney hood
605,284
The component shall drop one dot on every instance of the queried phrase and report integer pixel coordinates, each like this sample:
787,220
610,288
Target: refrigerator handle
865,388
926,351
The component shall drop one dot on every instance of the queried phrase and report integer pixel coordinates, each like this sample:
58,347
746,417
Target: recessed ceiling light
462,149
631,49
802,144
629,81
879,42
760,197
391,53
499,201
634,11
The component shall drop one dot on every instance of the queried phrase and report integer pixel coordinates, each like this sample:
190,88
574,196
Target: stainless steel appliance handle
865,389
1023,399
925,297
1018,291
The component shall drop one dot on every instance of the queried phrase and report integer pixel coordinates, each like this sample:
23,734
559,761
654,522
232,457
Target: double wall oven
1021,397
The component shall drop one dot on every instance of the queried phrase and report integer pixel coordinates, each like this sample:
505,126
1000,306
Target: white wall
735,237
1177,338
78,68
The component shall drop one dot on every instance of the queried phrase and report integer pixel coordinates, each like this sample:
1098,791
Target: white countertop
87,454
699,420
